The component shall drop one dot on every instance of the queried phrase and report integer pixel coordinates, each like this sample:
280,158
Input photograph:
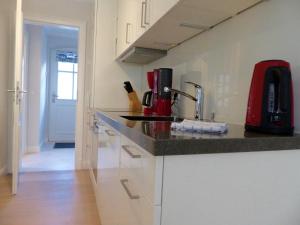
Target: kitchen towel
200,126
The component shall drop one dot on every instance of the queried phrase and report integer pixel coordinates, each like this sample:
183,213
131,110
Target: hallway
49,198
49,159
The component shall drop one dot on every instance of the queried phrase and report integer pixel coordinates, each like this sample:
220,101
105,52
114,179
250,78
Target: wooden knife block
134,102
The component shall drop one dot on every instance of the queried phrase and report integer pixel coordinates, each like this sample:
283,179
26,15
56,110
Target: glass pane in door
65,86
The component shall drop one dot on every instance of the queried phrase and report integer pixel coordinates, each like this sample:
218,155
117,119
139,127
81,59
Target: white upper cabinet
150,11
135,17
163,24
160,8
127,23
143,16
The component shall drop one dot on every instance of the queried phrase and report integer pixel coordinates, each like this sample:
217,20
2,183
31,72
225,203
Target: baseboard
33,149
3,171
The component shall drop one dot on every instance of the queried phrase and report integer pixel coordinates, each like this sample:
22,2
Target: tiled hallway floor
49,159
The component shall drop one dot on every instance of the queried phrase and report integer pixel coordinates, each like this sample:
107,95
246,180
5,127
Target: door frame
79,156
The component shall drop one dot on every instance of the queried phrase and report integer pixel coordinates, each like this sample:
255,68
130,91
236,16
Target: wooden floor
49,198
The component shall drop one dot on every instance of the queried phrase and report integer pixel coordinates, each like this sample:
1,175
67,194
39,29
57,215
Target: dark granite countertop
157,137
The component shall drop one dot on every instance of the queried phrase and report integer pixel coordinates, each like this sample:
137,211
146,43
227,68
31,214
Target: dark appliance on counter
148,99
157,101
271,105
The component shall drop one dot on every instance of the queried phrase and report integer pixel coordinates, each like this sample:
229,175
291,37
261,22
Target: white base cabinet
129,181
134,187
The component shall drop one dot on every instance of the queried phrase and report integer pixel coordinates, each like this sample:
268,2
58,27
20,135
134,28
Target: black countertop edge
162,147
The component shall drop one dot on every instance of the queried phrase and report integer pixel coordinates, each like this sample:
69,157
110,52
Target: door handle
142,17
146,13
131,196
19,91
110,133
54,97
127,33
126,149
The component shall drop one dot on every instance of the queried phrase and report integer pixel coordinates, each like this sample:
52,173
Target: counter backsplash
222,60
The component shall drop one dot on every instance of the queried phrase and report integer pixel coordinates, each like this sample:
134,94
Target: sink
153,118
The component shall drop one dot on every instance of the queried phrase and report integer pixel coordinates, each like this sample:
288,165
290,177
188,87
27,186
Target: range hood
139,55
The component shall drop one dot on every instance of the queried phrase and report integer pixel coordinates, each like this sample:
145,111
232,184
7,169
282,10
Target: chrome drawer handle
126,149
127,33
146,13
110,133
131,196
143,15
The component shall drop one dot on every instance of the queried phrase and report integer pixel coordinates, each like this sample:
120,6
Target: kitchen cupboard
129,180
160,8
135,17
143,16
127,23
135,187
165,24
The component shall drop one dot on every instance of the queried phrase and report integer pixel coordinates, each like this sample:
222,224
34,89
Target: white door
63,95
15,95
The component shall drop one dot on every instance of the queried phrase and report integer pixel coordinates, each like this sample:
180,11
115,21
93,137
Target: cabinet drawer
143,169
107,136
144,212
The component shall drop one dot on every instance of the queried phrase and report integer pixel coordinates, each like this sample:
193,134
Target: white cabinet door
160,8
113,202
143,16
142,174
127,23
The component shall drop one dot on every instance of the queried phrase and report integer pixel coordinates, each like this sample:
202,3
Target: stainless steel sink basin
153,118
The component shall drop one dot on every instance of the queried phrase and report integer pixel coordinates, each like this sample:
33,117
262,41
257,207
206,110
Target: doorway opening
50,74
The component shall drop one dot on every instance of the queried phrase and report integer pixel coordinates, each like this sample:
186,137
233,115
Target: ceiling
57,30
61,31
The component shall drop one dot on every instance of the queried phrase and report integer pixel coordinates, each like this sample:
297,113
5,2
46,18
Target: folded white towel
200,126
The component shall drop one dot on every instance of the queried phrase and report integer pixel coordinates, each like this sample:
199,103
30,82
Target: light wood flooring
49,198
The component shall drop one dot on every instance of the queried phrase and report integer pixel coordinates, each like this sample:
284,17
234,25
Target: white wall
110,75
43,89
37,78
57,10
223,59
4,71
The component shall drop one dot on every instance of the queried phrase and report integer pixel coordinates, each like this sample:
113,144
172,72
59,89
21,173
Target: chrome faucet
199,98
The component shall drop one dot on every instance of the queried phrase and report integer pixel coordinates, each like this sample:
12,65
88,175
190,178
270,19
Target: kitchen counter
157,137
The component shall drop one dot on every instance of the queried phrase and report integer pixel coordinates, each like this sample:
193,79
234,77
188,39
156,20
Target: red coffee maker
156,101
271,104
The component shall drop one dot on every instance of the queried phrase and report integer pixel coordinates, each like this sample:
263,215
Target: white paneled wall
223,59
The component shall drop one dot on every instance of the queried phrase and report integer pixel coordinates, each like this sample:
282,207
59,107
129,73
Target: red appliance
271,105
157,101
